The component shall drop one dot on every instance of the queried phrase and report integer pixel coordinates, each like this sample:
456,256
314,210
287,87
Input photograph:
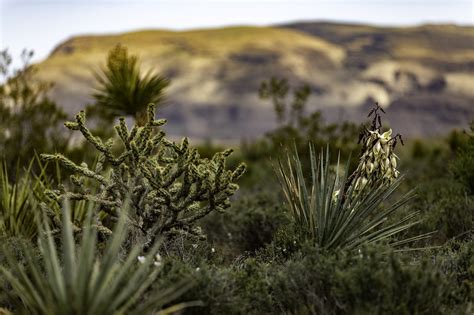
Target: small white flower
377,147
369,167
387,134
141,259
394,162
157,263
197,269
158,257
213,250
357,183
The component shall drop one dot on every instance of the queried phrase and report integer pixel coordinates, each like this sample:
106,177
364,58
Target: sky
43,24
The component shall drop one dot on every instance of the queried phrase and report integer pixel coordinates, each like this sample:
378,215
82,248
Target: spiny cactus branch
169,186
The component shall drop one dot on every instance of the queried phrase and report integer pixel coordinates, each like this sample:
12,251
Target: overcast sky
41,25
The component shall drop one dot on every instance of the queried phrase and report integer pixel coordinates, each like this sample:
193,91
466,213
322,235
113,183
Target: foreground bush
249,225
314,281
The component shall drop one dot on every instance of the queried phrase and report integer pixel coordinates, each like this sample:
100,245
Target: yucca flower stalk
348,211
378,161
77,280
347,219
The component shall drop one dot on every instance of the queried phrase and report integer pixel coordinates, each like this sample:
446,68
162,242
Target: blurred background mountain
423,74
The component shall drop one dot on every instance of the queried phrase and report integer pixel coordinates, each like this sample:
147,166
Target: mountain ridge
215,73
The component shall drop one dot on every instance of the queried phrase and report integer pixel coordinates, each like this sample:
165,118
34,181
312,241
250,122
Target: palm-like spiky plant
18,205
79,281
333,212
123,90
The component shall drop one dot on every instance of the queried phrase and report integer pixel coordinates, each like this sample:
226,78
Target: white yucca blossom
157,261
378,162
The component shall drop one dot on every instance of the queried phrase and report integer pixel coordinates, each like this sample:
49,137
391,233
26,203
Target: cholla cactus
169,186
378,162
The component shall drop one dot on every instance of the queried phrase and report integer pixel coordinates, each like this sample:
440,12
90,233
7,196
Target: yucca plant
18,206
123,90
333,212
77,280
24,200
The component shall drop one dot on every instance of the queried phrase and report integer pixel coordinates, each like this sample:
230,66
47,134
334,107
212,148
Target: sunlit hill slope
424,75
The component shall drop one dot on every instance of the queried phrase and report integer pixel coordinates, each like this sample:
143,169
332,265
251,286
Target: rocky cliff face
424,75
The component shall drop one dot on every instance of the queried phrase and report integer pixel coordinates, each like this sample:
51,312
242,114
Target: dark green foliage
463,166
445,208
443,194
312,281
419,150
369,283
11,246
456,259
249,225
29,120
123,90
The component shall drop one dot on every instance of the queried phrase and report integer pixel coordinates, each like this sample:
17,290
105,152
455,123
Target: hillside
425,75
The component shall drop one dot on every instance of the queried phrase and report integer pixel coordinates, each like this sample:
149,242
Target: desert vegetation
109,215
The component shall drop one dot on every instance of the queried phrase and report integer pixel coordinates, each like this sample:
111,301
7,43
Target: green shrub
374,280
29,120
370,282
463,166
456,260
249,225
